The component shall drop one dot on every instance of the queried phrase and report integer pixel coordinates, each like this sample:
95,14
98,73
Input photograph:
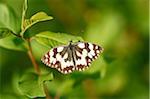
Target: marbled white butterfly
75,56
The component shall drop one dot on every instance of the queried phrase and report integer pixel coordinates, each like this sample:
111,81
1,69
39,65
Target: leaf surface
8,18
4,32
13,43
38,17
31,84
50,39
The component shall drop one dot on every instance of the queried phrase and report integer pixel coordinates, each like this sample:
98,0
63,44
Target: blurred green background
120,26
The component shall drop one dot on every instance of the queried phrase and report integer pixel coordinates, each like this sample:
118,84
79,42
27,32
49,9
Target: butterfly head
70,42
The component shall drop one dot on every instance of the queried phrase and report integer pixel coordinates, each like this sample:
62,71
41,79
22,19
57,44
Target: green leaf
38,17
4,32
13,43
45,77
50,39
31,84
8,18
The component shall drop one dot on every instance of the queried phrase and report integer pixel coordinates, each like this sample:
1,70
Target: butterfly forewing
85,54
59,58
76,56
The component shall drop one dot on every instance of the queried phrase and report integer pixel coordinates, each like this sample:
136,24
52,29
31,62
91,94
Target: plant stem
23,14
36,67
46,92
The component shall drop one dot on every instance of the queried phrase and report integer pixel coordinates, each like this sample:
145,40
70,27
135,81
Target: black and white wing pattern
77,56
85,54
60,59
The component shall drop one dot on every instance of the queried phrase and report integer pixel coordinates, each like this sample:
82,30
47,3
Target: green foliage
98,66
66,87
27,23
11,96
105,26
13,43
38,17
120,26
4,32
8,18
31,84
50,39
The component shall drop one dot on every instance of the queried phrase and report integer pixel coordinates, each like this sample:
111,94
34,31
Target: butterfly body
75,56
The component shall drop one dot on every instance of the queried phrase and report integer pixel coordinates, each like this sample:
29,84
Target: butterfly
72,57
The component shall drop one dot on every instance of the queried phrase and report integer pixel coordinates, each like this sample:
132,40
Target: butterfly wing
85,53
59,58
